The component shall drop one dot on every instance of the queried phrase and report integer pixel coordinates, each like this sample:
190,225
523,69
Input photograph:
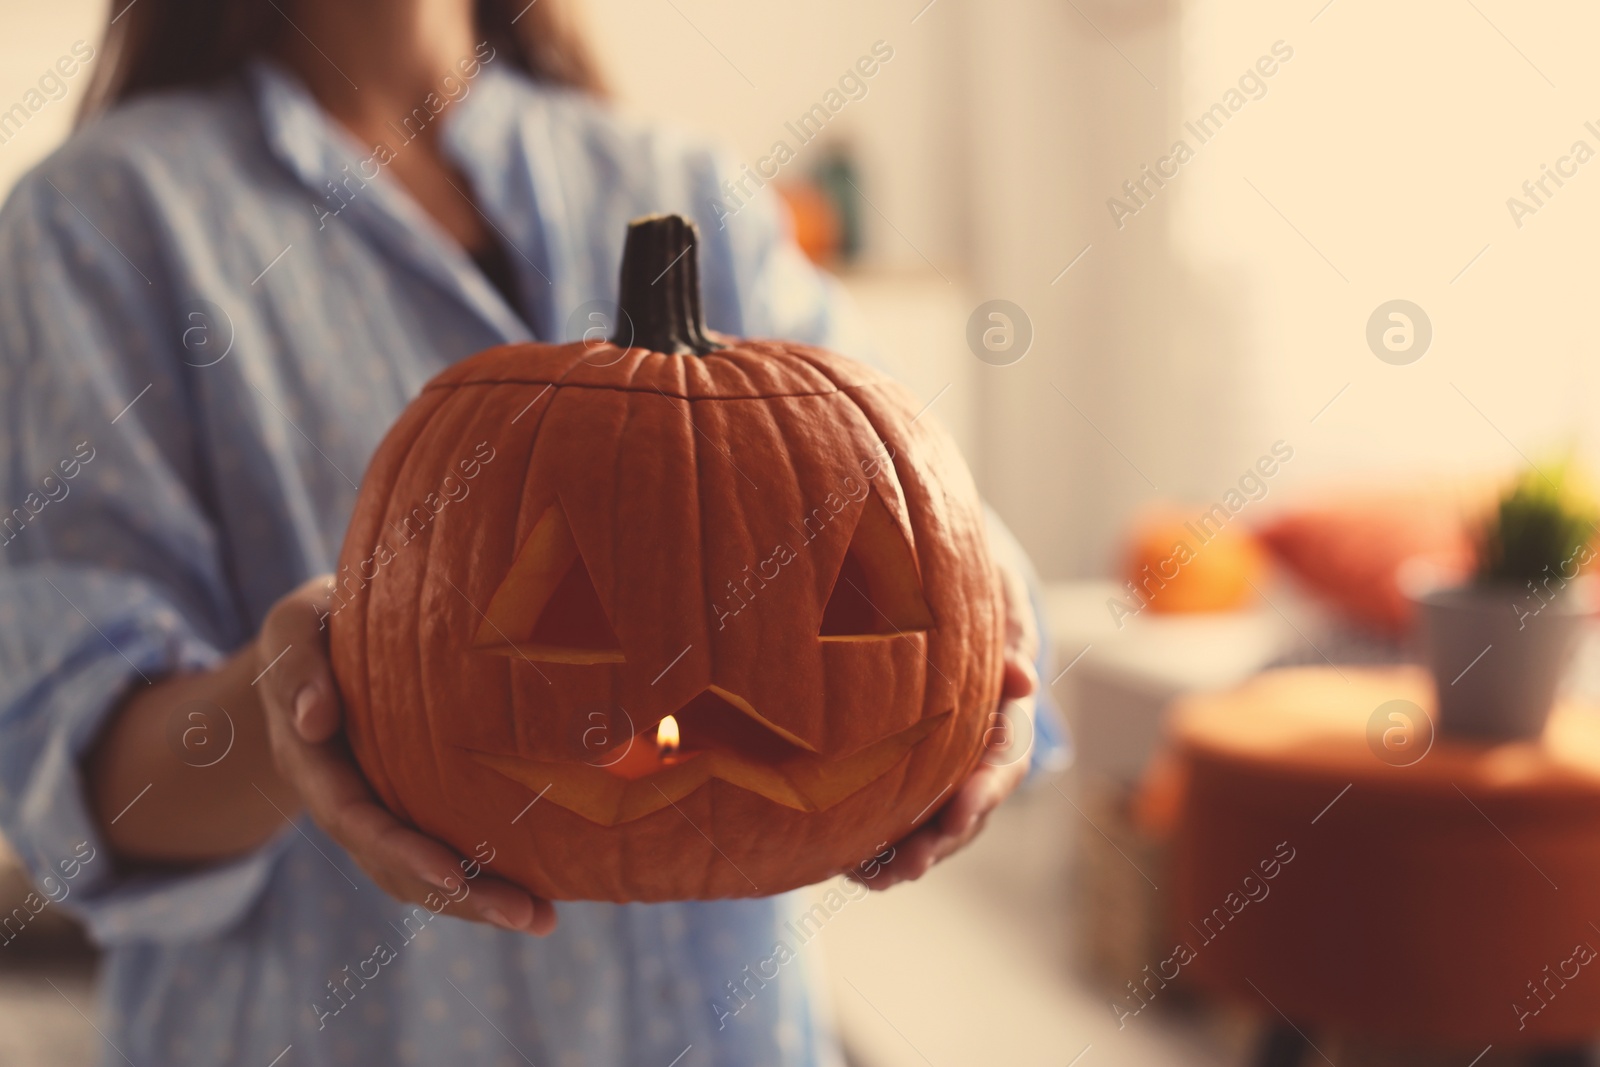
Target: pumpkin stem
660,294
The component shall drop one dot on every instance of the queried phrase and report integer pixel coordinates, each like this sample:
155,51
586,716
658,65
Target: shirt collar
297,131
499,135
317,151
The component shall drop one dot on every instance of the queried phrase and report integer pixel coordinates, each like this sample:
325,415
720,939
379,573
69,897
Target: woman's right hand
304,723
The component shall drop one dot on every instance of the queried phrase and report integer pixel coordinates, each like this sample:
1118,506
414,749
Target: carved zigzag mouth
723,738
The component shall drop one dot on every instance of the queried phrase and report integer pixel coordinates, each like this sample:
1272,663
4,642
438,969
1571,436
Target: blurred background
1170,321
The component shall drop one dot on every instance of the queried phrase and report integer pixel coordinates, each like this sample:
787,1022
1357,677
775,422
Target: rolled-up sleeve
110,570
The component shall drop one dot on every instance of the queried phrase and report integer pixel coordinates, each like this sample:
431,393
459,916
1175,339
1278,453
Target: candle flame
667,736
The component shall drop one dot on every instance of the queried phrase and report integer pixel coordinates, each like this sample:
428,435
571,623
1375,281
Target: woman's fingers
1019,679
316,710
981,794
304,720
406,863
431,874
296,681
957,823
917,854
1005,764
1022,630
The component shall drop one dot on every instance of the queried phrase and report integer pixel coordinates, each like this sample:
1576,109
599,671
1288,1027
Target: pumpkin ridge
624,853
561,384
736,368
366,608
434,535
616,470
812,356
538,860
616,504
514,727
921,640
509,363
908,477
823,367
711,854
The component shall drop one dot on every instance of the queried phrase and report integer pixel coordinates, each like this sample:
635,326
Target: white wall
1228,313
1393,141
1050,111
32,37
676,61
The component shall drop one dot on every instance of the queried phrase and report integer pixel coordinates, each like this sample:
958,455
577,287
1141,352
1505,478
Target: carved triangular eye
878,593
547,608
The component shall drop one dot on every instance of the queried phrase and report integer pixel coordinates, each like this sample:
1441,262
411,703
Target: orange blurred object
1349,551
1367,878
816,221
1179,567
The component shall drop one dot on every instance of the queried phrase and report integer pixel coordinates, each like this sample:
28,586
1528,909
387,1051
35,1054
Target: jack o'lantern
686,617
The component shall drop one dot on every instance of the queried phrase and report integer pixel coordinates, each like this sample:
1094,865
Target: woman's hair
168,44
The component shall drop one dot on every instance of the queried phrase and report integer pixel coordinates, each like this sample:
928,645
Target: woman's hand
1005,760
304,723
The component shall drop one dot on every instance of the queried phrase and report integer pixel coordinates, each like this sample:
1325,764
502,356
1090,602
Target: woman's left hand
1005,760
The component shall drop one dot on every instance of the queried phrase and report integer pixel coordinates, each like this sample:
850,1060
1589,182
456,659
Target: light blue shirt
202,342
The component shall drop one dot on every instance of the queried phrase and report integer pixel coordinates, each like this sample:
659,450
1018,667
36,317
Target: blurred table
1120,679
1115,682
1325,878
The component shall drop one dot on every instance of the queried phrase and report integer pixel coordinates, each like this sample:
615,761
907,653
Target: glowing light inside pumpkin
667,736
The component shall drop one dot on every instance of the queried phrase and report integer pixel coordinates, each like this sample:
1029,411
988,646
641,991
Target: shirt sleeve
1051,743
777,292
111,574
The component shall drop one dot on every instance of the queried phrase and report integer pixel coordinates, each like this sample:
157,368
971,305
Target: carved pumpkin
696,617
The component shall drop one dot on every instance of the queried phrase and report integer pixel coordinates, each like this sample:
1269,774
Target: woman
213,301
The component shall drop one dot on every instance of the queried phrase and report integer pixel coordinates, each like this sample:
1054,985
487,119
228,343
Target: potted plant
1499,645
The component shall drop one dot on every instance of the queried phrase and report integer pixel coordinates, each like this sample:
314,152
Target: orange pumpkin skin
1201,576
676,479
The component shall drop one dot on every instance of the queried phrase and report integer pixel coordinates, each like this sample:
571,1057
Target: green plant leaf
1539,531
